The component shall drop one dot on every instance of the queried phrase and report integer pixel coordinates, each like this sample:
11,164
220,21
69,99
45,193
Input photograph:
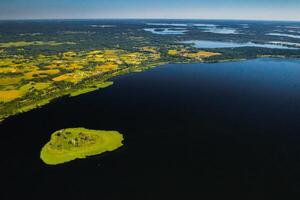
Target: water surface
220,30
227,129
166,24
219,44
166,31
284,35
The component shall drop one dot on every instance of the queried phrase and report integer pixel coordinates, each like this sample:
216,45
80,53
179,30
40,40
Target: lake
284,35
227,129
166,31
217,30
206,44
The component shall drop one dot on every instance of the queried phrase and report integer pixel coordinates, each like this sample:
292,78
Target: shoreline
105,82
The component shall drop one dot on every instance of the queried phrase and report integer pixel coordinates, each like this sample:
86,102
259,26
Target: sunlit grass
32,43
73,143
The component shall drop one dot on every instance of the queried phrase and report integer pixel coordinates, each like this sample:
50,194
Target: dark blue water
223,130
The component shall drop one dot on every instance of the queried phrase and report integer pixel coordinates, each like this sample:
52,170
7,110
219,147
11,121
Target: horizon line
137,18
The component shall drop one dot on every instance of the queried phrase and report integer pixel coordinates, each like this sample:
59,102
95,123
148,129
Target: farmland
27,82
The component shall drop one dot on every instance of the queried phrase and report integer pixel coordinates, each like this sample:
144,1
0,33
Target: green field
93,88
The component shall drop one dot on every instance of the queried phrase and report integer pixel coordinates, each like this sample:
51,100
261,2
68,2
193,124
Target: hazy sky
200,9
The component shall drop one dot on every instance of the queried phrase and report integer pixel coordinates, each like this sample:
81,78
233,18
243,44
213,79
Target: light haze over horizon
155,9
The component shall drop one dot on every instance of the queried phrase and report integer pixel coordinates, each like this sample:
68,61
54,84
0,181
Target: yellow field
62,77
9,95
132,58
30,75
172,52
74,77
32,85
6,62
41,86
10,81
4,70
201,54
110,66
74,66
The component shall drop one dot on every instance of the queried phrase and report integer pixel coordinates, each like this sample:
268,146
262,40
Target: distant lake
219,44
284,35
181,24
166,31
166,24
205,25
220,30
180,29
226,129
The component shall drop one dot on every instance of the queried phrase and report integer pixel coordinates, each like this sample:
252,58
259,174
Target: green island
77,143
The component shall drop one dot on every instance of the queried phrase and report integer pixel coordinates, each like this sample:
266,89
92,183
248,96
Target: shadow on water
190,130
